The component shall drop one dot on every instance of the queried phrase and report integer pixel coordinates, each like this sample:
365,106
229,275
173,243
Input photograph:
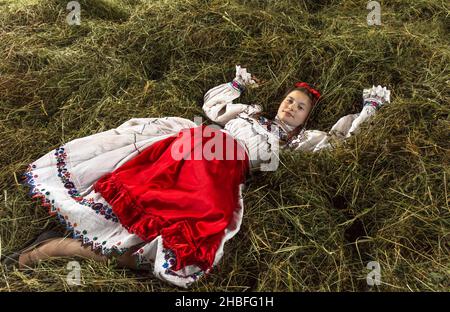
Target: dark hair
304,90
299,128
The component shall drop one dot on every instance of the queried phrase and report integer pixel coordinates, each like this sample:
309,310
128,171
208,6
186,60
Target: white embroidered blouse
260,137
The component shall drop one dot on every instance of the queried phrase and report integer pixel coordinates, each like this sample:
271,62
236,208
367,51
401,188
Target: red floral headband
308,87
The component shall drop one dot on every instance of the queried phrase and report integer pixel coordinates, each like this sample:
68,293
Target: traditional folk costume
122,188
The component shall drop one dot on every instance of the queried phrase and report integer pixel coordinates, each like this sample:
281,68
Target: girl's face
295,108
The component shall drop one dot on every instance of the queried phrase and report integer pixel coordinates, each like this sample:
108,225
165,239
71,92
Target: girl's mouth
288,113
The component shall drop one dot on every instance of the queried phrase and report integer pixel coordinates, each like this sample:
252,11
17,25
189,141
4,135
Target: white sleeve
154,126
218,103
309,140
366,112
315,140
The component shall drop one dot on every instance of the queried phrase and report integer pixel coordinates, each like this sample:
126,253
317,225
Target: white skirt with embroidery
64,178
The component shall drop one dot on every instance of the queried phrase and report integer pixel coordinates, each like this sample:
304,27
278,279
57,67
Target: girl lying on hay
166,194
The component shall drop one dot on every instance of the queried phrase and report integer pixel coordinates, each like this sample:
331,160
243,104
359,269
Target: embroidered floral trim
64,175
80,234
379,94
252,121
170,261
300,138
372,102
271,126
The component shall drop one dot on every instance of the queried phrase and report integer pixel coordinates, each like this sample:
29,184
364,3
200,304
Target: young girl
122,193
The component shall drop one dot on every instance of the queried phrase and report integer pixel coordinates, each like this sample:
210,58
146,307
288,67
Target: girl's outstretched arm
346,126
373,99
218,101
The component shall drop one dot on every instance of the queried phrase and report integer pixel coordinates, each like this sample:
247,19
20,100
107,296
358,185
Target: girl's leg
68,247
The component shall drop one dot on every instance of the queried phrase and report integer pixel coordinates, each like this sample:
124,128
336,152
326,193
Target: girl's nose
293,106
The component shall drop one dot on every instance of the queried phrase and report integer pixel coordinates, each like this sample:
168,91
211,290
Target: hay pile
315,223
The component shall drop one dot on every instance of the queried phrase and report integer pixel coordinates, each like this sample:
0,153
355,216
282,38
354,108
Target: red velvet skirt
184,188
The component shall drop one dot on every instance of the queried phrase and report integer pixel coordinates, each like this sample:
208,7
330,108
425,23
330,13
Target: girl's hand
376,96
245,78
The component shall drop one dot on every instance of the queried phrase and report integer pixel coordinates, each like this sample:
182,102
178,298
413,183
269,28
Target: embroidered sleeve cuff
237,85
372,102
376,96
